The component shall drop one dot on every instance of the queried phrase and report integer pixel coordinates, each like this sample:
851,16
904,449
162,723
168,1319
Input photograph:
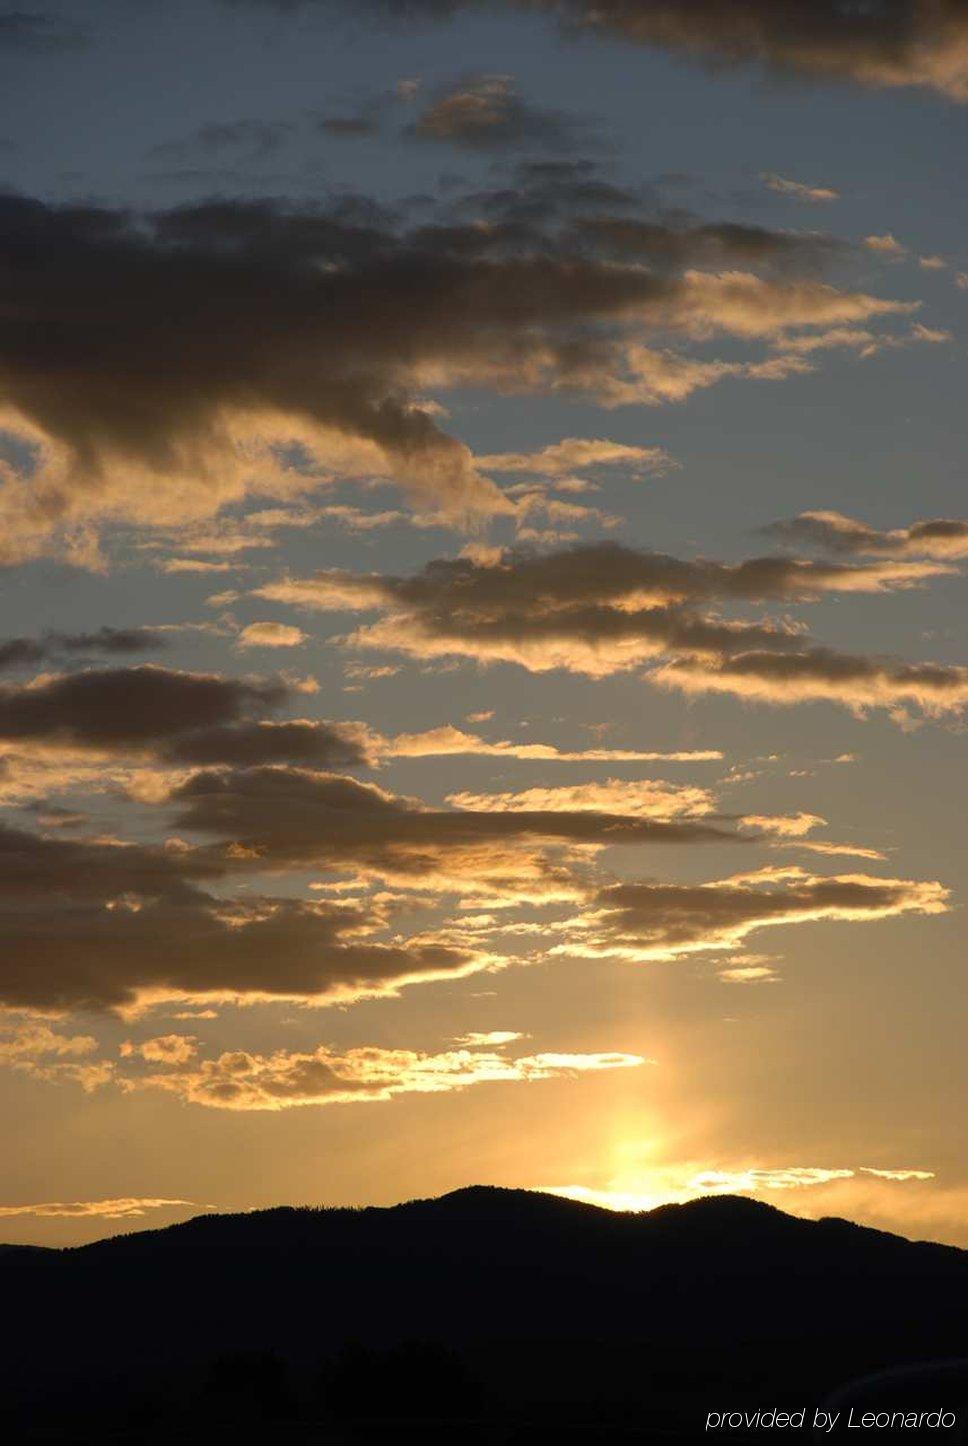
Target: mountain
486,1306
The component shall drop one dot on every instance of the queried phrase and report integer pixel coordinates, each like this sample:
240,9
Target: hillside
485,1303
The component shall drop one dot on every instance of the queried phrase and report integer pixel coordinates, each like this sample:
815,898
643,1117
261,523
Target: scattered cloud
34,1039
604,608
798,190
239,1080
127,1208
887,245
489,113
818,674
271,635
920,43
448,740
676,1184
644,922
940,538
643,798
23,653
163,1049
561,459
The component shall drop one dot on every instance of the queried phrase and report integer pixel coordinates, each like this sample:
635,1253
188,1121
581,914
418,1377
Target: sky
482,673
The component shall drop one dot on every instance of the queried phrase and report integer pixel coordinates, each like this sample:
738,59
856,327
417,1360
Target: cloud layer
158,367
239,1080
604,608
886,43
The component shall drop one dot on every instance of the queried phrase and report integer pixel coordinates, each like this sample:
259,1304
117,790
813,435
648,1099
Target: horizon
584,1206
483,681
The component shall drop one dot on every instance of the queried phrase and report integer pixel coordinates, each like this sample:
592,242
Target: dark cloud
88,925
874,43
535,192
128,707
33,32
688,242
879,43
160,366
288,814
649,921
245,745
29,652
602,608
939,537
605,572
595,608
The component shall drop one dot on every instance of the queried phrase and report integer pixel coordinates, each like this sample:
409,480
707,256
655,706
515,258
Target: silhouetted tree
247,1385
415,1380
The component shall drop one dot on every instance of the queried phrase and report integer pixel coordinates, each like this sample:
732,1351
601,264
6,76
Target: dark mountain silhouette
484,1315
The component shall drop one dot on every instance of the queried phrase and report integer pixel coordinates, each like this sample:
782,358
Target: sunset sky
482,673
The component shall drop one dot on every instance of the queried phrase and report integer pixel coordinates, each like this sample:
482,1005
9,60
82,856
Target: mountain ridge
492,1203
518,1304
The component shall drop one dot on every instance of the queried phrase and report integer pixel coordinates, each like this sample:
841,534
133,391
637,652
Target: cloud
314,744
691,242
913,43
798,190
589,574
448,740
677,1184
897,1174
887,245
940,538
572,454
236,346
163,1049
793,826
191,564
271,635
126,1208
90,925
888,43
16,653
838,850
644,922
817,674
291,814
112,708
791,1177
489,1036
643,798
32,1040
595,609
239,1080
744,971
488,113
